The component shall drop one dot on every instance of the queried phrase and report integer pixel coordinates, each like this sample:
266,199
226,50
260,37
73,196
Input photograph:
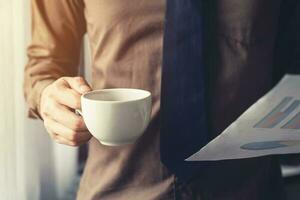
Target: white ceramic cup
116,116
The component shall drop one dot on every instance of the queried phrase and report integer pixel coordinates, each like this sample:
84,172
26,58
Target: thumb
78,84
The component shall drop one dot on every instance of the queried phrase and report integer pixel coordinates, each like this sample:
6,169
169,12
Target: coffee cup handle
78,112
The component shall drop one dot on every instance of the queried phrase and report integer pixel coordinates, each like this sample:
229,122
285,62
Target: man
126,41
126,44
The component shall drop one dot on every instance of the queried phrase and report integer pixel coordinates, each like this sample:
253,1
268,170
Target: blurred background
32,167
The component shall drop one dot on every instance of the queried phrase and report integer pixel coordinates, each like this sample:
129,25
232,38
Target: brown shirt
126,44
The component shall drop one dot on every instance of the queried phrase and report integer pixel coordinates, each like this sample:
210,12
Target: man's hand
58,102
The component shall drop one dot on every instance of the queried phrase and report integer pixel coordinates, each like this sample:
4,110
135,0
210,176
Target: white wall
32,167
12,156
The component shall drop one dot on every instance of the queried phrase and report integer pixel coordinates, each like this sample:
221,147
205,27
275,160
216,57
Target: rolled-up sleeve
57,30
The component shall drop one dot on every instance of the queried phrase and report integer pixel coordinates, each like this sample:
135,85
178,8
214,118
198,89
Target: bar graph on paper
271,126
282,111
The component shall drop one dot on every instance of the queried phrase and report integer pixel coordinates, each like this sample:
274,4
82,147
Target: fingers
69,90
78,84
65,135
66,96
66,117
66,132
58,100
61,140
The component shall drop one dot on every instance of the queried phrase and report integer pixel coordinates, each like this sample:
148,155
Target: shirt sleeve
58,27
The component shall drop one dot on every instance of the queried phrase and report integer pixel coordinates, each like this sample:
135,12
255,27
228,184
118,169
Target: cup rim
147,95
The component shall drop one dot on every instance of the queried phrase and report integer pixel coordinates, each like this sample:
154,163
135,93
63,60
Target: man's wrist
41,88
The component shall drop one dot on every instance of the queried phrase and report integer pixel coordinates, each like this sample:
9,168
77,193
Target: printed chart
270,126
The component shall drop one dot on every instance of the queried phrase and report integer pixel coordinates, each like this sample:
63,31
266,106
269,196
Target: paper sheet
270,126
